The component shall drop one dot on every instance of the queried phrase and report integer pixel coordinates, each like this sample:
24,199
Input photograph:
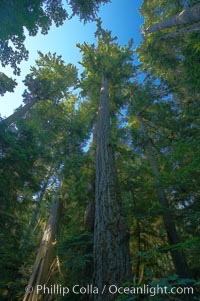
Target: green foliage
34,16
18,182
73,249
6,84
32,153
52,144
15,16
158,10
51,79
86,10
106,59
173,59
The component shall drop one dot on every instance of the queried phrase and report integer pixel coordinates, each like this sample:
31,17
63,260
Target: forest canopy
100,169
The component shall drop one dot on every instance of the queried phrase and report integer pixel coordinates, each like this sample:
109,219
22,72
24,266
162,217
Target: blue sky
119,16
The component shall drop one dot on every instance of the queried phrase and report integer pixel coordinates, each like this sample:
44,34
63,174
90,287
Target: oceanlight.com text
89,289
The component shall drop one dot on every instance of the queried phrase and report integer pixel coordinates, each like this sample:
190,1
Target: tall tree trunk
178,257
90,208
138,264
187,16
111,236
35,215
89,228
33,220
182,31
89,211
21,111
45,260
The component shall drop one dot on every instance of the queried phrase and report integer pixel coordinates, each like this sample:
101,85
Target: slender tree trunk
33,220
111,236
21,111
187,16
45,260
90,208
89,228
35,215
182,31
178,257
138,265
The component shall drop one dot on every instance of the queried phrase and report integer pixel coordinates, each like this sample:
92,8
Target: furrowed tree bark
178,257
111,235
45,260
187,16
89,228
